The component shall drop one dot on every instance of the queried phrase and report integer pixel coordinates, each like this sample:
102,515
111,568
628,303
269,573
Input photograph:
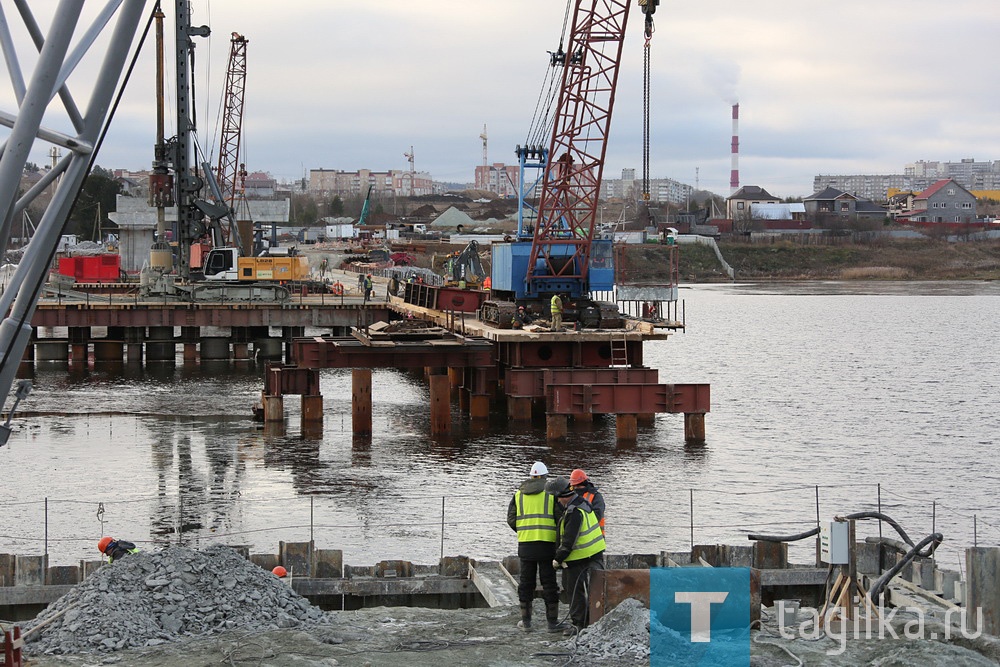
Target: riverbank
883,259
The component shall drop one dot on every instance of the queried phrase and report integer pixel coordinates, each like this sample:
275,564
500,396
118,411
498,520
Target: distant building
738,204
498,178
259,185
394,183
661,190
792,211
916,176
945,201
834,202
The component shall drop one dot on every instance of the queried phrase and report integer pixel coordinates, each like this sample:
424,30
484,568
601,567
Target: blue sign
699,616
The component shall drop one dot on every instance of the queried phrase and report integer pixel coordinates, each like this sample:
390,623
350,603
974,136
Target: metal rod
46,525
311,523
442,526
880,511
933,521
691,514
817,505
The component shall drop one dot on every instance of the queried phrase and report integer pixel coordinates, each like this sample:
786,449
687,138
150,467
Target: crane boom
560,252
229,171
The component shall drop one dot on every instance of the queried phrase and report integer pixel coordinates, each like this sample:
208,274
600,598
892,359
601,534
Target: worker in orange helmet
279,572
580,483
115,549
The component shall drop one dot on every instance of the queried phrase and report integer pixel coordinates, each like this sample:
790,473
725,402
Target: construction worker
113,548
521,318
580,483
556,308
488,283
579,549
533,514
369,286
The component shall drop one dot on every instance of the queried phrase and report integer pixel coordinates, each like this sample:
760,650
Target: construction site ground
390,636
407,636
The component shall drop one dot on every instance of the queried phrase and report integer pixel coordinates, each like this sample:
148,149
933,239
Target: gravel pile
147,599
621,635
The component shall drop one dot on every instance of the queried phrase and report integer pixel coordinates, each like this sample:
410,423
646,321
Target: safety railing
372,523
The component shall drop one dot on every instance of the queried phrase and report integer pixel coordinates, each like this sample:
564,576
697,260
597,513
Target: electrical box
834,542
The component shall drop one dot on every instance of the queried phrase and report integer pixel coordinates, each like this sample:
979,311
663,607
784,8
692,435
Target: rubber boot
525,622
552,617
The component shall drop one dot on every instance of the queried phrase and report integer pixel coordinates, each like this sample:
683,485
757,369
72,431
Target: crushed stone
621,635
152,598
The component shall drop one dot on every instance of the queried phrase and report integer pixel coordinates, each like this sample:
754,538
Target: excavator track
240,292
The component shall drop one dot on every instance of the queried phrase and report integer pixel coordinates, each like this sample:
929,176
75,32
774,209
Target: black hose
934,539
785,538
857,515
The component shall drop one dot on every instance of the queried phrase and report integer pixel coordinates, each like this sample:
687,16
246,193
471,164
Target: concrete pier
982,565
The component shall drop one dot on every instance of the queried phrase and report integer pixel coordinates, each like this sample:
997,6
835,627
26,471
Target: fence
372,524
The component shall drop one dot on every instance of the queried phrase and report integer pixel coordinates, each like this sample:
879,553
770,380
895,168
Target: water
857,396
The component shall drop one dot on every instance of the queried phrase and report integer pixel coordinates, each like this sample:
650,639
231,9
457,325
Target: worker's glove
556,564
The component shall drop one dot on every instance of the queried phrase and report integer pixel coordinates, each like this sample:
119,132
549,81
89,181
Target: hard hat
279,571
577,477
103,544
520,307
558,487
538,469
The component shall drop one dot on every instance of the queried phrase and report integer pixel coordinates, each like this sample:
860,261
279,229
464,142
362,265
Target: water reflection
785,412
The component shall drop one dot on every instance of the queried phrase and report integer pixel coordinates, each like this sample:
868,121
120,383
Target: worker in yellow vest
579,549
581,483
556,309
533,514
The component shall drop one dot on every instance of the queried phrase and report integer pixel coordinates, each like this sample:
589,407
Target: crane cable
541,123
649,29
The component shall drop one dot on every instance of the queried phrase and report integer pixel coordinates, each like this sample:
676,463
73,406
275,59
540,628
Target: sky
824,88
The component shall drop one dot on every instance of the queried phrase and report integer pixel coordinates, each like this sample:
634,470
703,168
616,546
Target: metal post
442,526
691,514
933,522
880,511
311,507
46,525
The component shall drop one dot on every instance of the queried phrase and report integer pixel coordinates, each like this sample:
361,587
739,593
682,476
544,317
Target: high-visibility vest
536,519
556,304
590,539
589,497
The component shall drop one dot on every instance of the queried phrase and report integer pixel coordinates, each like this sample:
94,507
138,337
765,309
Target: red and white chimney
734,174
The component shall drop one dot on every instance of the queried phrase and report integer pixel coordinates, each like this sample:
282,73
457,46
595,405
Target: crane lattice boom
571,185
230,171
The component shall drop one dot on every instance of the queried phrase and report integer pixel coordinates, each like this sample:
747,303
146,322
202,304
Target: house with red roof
944,202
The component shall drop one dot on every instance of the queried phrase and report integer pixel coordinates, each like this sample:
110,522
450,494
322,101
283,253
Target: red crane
563,236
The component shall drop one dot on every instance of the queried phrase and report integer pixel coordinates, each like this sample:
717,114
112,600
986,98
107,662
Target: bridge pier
556,426
440,403
626,427
694,427
519,408
312,409
361,401
273,407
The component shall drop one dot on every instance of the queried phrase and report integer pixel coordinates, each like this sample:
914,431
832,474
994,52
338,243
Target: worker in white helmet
533,515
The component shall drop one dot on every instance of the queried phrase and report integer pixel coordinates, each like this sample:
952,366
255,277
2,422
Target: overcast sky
832,88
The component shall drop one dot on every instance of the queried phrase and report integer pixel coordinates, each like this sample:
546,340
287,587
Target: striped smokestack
734,174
